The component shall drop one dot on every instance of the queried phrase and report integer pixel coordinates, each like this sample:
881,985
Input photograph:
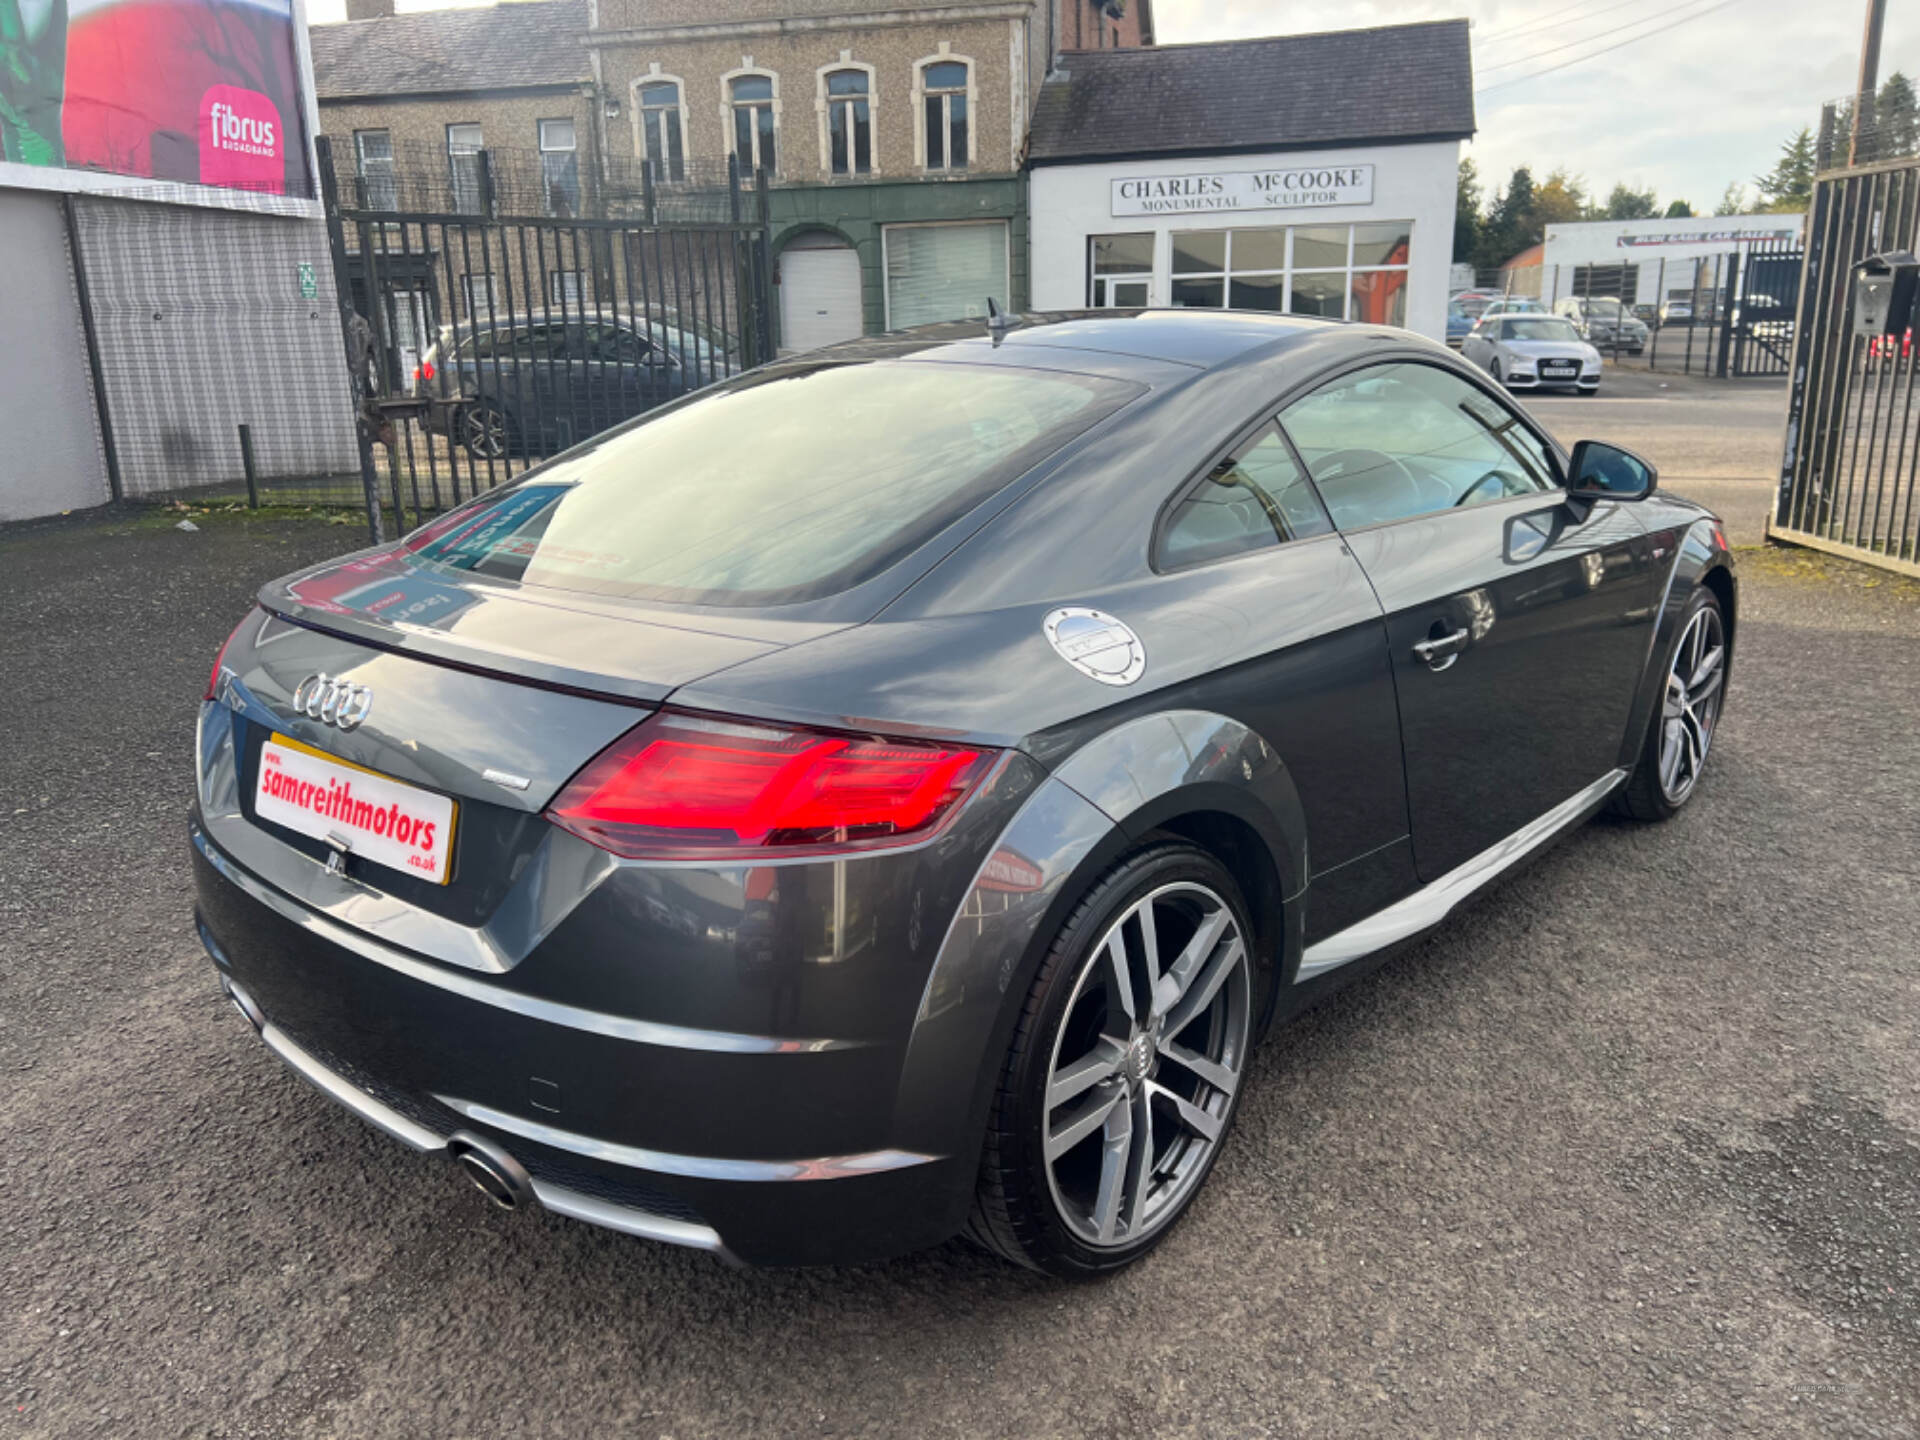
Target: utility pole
1869,81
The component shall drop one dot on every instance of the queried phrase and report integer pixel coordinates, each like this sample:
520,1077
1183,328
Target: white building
1645,262
1309,174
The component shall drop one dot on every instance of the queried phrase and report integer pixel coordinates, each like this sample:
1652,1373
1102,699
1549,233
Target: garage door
819,295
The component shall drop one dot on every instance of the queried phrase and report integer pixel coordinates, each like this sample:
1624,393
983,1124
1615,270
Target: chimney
369,9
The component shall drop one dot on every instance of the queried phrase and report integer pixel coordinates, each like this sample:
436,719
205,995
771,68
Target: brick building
894,137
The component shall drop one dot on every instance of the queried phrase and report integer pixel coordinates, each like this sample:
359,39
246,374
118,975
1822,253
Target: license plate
1559,369
376,818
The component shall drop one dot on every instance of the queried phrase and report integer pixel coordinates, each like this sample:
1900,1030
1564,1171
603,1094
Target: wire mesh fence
1888,129
1727,314
411,176
482,343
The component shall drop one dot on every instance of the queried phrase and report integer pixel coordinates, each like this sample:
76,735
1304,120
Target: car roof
1104,341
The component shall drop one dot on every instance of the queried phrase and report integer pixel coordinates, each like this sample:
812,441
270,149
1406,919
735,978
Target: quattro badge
1097,645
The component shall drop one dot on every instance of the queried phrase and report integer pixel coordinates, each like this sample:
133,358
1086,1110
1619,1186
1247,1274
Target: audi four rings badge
339,703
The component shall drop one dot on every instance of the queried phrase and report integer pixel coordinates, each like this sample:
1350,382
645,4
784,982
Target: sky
1684,110
1704,92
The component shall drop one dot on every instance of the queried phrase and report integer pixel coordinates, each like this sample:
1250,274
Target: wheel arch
1193,775
1702,560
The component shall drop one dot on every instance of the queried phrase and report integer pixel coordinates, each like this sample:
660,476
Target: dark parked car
529,387
891,794
1604,322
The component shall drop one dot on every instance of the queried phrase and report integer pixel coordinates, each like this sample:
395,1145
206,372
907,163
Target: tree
1679,210
1559,201
1508,228
1733,200
1625,203
1789,185
1466,210
1896,115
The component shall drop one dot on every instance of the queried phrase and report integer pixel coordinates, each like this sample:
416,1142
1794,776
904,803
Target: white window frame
1290,269
656,76
392,178
464,202
944,57
540,139
823,107
886,291
747,69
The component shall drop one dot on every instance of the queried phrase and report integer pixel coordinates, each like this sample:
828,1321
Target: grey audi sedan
890,794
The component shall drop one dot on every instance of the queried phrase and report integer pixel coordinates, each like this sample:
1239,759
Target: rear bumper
596,1108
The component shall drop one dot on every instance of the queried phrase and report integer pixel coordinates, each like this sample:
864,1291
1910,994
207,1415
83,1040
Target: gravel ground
1632,1146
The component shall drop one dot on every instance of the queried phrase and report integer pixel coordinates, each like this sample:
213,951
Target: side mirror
1599,471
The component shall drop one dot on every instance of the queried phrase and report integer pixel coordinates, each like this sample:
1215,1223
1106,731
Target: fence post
1806,311
92,338
246,464
483,168
343,289
648,201
763,194
1726,315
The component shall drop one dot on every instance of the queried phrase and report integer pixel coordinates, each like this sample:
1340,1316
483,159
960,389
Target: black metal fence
491,324
1850,474
1729,314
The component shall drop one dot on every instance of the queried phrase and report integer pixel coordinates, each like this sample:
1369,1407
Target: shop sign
1291,188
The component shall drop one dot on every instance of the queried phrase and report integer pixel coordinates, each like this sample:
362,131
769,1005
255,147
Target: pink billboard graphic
201,91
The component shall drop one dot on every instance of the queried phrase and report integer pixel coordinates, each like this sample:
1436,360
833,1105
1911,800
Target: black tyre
485,429
1680,734
1125,1068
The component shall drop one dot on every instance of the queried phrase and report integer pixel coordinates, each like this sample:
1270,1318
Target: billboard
205,92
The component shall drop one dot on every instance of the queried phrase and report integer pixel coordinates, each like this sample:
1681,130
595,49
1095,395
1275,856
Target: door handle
1442,650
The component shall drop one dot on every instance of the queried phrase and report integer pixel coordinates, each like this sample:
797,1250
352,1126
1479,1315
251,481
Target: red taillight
219,659
688,786
423,372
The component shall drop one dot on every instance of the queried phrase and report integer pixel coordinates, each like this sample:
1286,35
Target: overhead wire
1502,35
1605,49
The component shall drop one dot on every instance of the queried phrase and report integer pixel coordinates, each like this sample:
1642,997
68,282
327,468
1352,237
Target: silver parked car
1533,352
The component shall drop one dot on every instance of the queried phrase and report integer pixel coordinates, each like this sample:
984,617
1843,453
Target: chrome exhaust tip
495,1173
243,1002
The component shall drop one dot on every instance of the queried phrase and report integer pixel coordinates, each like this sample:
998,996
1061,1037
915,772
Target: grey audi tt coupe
890,793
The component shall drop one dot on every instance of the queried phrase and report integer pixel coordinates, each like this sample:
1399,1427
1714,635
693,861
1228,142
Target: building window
559,167
1342,272
564,288
463,166
750,98
374,151
1120,270
663,129
944,271
849,122
943,113
478,290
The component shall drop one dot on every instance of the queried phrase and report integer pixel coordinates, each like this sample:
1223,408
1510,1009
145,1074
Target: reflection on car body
838,910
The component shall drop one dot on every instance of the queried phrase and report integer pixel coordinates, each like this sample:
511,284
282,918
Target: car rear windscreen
777,488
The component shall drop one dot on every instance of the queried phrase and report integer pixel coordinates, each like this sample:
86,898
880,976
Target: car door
1517,625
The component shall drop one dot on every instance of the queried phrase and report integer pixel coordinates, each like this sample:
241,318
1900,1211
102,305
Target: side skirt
1429,905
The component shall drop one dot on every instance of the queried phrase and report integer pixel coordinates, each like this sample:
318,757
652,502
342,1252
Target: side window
1253,498
1394,441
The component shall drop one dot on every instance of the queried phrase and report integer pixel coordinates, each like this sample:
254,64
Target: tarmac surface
1631,1146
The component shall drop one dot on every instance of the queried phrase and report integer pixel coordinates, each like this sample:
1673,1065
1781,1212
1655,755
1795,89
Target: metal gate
490,325
1851,467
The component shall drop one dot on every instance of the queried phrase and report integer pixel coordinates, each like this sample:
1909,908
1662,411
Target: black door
1516,630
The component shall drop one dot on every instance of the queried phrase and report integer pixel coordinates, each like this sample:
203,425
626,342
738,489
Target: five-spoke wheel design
1692,703
1146,1063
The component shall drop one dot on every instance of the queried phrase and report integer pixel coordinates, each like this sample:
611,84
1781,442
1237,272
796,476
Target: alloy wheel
483,429
1146,1065
1692,704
